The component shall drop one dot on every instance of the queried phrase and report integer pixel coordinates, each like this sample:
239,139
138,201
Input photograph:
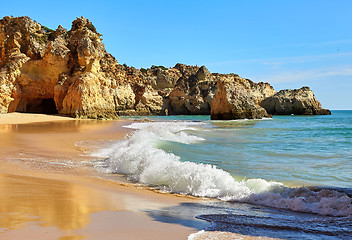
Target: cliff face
239,98
193,92
58,71
297,101
70,72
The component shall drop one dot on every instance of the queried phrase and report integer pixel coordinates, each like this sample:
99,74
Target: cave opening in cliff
45,106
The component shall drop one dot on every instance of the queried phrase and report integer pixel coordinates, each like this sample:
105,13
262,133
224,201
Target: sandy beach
21,118
48,189
44,195
117,123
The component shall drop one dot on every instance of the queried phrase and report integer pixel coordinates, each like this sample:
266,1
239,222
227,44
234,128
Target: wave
139,158
169,131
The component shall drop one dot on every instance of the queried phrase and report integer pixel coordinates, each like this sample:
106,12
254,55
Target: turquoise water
296,150
266,162
259,169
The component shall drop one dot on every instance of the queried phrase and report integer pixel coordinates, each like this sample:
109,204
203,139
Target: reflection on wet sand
6,128
46,193
64,204
36,208
55,139
50,202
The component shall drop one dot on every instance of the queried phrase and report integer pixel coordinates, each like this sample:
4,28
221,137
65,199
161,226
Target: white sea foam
325,201
216,235
139,158
169,131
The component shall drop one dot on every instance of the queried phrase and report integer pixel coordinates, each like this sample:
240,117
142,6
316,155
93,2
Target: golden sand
20,118
47,191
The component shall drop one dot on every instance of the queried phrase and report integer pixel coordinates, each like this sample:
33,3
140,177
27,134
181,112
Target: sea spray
141,161
139,158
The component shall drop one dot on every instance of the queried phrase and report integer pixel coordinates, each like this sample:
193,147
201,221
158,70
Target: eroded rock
193,92
71,73
90,96
297,101
237,98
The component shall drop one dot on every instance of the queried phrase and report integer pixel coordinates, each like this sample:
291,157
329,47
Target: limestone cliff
193,92
297,101
49,71
239,98
71,73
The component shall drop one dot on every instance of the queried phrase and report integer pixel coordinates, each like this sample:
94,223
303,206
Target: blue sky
289,44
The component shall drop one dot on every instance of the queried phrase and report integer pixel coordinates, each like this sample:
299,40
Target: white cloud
283,60
316,44
305,75
305,59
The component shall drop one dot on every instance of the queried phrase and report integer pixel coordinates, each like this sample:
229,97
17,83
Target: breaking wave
140,159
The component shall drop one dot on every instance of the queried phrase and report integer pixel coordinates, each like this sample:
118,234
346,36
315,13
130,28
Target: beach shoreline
49,190
38,185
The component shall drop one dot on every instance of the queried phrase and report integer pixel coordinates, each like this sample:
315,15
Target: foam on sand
139,158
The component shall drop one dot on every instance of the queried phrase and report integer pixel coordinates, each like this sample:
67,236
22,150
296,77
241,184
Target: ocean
287,177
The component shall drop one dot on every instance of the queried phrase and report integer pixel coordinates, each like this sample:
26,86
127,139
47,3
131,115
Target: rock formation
239,98
298,101
193,92
71,73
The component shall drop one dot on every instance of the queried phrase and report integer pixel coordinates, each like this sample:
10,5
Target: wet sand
48,190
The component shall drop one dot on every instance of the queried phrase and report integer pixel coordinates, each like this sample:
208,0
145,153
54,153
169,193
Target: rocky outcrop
18,44
162,79
10,90
298,101
193,92
91,96
181,89
71,73
150,103
239,98
55,71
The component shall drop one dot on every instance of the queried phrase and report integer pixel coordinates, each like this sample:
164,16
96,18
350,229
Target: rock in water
297,101
239,98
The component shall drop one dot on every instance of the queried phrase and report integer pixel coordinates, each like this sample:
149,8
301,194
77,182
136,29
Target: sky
289,44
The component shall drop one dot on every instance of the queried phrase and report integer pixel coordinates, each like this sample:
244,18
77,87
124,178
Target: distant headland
70,73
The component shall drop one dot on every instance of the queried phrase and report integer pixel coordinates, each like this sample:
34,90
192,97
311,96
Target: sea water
292,164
